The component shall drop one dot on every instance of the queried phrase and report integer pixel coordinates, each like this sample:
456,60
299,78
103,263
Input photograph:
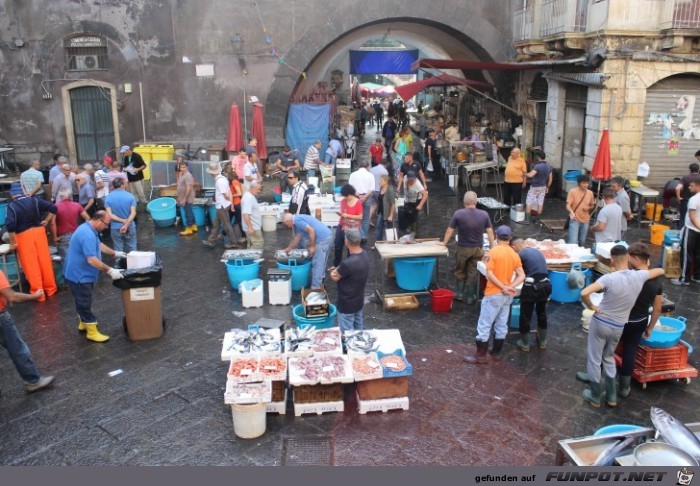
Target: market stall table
388,250
490,204
641,194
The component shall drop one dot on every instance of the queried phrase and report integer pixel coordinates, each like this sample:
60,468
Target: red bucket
441,300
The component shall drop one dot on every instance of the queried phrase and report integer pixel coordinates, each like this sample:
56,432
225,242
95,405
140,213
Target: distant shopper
386,206
683,193
579,203
185,199
86,193
286,163
690,238
350,218
32,180
432,154
121,207
134,166
299,202
222,201
376,151
608,227
534,295
69,215
363,182
12,341
471,224
502,264
251,172
64,180
515,180
312,159
623,200
351,276
312,234
252,217
415,197
540,182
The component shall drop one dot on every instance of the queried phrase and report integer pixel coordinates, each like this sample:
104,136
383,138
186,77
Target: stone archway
474,27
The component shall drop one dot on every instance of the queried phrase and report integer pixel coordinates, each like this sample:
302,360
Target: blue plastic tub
560,289
3,213
414,273
617,429
241,270
163,211
211,210
662,339
317,322
301,273
390,373
199,214
12,268
572,175
515,314
671,237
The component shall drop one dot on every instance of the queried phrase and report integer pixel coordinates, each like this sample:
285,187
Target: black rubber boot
480,356
496,351
611,392
542,338
524,342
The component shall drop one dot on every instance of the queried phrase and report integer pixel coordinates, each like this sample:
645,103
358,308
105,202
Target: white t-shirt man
222,189
413,193
250,169
693,205
250,206
363,181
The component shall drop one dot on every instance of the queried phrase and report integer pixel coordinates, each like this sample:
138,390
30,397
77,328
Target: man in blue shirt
315,236
82,269
121,207
541,179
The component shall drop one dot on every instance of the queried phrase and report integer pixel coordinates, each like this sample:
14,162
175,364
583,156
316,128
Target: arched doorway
90,111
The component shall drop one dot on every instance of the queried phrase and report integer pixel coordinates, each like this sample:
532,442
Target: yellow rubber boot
193,228
187,231
93,334
81,324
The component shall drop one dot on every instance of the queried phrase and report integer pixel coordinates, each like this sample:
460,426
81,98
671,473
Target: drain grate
307,451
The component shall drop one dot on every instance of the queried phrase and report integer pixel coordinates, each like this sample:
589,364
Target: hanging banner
383,62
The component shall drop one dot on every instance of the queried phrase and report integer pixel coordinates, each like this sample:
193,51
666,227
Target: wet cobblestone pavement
167,405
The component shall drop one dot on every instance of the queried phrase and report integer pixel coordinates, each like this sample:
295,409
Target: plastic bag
136,278
576,279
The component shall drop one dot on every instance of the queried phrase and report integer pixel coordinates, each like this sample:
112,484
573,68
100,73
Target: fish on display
675,433
361,341
614,450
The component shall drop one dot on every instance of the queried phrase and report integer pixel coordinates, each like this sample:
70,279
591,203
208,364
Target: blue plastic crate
388,373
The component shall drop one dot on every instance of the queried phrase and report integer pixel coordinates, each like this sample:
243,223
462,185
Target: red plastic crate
661,359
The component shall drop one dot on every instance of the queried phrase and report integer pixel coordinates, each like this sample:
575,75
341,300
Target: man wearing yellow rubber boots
83,266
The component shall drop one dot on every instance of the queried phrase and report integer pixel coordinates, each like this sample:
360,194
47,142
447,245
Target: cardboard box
317,310
383,388
143,314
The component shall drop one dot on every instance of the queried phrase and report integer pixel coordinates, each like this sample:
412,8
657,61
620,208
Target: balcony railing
680,14
524,24
560,16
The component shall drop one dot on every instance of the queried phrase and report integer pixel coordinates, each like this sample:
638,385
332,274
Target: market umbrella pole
602,170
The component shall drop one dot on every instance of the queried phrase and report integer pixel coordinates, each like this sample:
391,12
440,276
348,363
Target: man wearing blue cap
27,232
503,262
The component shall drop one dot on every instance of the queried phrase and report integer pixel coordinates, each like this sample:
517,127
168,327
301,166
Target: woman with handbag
579,203
350,217
386,206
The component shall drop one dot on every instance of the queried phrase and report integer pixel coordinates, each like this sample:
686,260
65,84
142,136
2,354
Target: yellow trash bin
146,152
162,152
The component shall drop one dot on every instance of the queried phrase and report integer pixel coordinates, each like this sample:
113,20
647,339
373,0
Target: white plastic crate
318,408
383,405
251,293
247,368
229,351
244,393
140,259
279,292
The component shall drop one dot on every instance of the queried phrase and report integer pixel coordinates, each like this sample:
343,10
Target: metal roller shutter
672,111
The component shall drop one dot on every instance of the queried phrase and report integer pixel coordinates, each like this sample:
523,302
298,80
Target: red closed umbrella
234,140
601,169
259,130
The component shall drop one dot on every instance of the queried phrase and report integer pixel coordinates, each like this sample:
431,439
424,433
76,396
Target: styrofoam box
517,216
227,353
383,405
343,164
243,393
279,292
296,378
140,259
251,293
388,340
603,249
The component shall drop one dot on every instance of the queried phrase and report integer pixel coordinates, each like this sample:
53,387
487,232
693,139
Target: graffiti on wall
676,125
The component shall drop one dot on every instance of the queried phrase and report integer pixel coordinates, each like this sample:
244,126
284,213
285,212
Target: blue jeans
82,296
577,232
350,322
17,349
125,242
366,211
319,262
382,224
310,172
494,312
188,220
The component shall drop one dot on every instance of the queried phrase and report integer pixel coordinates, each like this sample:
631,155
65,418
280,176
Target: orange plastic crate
660,359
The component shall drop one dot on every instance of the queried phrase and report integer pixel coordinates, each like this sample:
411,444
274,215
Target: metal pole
245,113
143,115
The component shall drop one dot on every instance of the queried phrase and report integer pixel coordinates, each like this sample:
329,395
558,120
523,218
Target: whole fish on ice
675,432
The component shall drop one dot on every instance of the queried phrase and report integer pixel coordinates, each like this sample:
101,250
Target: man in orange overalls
27,232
